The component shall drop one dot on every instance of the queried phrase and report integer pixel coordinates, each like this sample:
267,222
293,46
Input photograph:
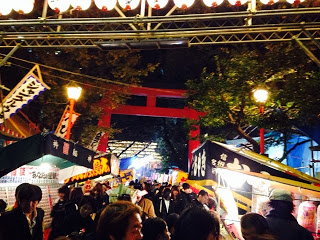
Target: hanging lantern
268,2
183,4
59,5
81,4
5,8
294,1
212,3
129,4
105,5
237,2
23,6
157,4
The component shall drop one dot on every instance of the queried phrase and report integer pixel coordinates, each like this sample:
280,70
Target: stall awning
44,148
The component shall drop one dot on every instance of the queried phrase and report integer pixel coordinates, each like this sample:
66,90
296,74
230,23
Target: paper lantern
59,5
294,1
105,5
81,4
129,4
23,6
237,2
5,8
268,2
183,4
212,3
157,4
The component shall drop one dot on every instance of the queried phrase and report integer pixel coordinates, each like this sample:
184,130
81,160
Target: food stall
241,180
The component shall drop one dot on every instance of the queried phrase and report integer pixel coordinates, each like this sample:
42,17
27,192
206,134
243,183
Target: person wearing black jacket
164,206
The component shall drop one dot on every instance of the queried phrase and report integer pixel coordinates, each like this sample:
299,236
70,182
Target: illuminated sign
101,167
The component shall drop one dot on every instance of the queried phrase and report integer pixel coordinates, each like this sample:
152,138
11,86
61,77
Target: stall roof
44,147
212,155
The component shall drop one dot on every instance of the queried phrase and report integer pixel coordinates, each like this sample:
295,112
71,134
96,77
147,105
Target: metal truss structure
200,29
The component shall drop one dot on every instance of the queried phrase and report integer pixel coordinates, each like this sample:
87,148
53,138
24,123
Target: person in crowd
155,229
81,220
282,223
24,221
197,223
255,227
11,207
172,220
176,199
120,220
3,206
201,200
212,204
101,198
187,195
124,197
145,204
148,187
74,201
164,205
58,213
158,195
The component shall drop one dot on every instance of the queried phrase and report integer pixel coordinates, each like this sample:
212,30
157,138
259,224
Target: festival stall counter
242,180
28,161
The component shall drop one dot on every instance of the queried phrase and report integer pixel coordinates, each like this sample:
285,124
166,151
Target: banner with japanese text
95,141
24,92
61,130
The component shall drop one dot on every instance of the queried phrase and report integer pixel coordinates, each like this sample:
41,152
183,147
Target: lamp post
261,96
73,95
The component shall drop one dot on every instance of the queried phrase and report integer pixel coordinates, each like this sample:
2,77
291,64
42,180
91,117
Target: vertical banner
24,92
95,141
61,130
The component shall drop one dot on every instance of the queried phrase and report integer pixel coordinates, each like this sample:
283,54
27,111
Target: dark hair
76,195
212,203
18,188
196,223
255,221
166,193
88,200
153,228
172,221
185,186
66,191
29,193
203,193
114,220
98,188
175,188
283,206
147,187
3,205
124,197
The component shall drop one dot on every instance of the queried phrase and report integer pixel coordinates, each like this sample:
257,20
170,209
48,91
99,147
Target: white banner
25,91
61,130
95,141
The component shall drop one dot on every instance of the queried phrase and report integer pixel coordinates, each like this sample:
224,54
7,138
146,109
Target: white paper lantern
23,6
59,5
157,4
212,3
5,8
183,4
294,1
237,2
105,5
268,2
81,4
129,4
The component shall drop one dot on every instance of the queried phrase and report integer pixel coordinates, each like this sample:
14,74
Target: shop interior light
5,8
237,2
183,4
23,6
129,4
212,3
233,179
268,2
45,167
81,5
59,5
105,5
157,4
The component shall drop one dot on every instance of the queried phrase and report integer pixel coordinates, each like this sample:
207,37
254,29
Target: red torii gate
152,110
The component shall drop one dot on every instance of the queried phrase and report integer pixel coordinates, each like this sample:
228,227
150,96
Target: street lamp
73,95
261,96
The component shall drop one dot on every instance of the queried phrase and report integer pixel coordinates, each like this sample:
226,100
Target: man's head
186,188
120,220
282,200
203,197
28,197
87,206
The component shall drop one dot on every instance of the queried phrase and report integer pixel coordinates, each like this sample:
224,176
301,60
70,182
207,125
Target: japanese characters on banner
95,141
61,130
25,91
210,156
31,174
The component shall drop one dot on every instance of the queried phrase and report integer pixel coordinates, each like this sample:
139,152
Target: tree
225,93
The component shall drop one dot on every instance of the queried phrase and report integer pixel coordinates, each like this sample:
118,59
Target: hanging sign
61,130
101,167
95,141
25,91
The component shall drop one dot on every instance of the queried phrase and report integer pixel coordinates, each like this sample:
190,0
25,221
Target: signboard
101,167
95,141
61,130
25,91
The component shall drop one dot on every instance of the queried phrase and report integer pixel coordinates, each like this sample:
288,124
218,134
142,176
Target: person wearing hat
281,222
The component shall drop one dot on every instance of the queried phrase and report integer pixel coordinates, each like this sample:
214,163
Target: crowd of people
158,212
